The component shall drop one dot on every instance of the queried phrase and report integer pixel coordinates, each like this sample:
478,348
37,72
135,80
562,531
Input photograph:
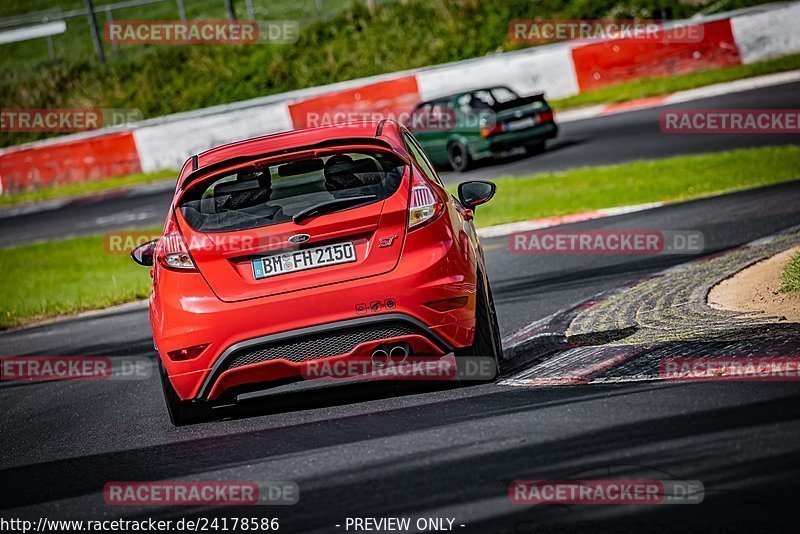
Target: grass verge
657,86
677,178
63,277
85,188
791,276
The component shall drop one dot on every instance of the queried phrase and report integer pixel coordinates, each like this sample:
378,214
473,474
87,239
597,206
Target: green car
459,129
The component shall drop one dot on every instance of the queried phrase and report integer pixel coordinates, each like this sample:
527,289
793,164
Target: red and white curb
577,381
583,365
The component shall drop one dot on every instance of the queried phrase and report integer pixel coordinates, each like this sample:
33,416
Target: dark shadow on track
70,477
552,146
455,475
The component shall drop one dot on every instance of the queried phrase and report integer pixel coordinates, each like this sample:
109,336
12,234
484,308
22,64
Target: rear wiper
330,205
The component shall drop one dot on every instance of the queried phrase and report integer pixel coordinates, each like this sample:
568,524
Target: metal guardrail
37,18
90,12
76,13
46,29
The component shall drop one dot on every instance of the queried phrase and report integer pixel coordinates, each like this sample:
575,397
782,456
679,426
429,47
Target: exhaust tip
379,357
398,353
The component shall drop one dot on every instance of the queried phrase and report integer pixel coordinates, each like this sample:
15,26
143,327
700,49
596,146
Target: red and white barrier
768,34
621,60
80,160
390,98
168,144
545,69
559,70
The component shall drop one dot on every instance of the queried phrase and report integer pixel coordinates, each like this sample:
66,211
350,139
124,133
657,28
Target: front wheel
181,412
459,157
486,349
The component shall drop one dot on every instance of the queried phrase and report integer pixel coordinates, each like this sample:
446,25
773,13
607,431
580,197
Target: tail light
425,202
546,116
171,250
488,130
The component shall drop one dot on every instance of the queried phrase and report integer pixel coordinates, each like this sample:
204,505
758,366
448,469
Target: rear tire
181,412
486,342
459,157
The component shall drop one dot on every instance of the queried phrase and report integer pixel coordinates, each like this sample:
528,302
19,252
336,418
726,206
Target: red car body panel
221,305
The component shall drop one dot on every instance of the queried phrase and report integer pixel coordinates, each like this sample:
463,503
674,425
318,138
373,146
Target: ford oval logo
299,238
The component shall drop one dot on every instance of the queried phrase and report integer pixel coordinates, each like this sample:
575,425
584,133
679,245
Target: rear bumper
275,357
185,313
510,140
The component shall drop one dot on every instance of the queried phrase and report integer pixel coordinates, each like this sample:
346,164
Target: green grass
646,87
85,188
65,277
672,179
791,276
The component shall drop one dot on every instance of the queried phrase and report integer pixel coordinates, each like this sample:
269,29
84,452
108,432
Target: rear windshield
262,196
487,98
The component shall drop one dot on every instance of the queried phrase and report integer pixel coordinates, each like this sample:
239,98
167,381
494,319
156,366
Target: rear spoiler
519,102
198,172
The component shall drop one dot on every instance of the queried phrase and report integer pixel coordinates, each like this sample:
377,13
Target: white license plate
521,124
300,260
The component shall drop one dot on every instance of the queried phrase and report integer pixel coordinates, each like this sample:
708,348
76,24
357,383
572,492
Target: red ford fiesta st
325,244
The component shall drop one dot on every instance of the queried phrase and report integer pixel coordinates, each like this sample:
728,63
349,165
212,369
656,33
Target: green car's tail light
488,130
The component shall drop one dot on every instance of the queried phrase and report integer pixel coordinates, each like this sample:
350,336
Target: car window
255,197
476,101
504,94
422,160
423,108
485,98
463,102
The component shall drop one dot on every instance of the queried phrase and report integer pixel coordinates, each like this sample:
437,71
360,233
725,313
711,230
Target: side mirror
143,254
475,193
